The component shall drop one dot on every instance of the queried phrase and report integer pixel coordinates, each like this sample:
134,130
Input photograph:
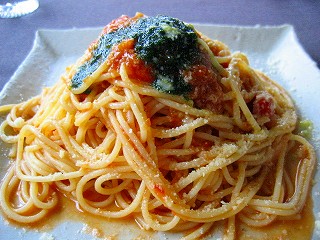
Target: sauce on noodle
112,229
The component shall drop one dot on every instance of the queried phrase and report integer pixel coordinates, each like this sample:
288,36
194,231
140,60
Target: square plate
274,50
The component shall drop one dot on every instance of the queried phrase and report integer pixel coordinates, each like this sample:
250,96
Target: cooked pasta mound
160,123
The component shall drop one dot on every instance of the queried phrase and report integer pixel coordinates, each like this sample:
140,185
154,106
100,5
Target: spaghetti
174,156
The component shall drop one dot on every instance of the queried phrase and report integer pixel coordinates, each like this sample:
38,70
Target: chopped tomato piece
206,91
122,21
264,105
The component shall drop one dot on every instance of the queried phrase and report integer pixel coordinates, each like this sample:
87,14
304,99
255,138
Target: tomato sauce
136,68
159,190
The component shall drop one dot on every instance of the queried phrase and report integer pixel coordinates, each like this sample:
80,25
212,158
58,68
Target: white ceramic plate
273,50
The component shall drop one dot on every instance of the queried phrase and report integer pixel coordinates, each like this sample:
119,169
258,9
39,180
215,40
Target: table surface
17,35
